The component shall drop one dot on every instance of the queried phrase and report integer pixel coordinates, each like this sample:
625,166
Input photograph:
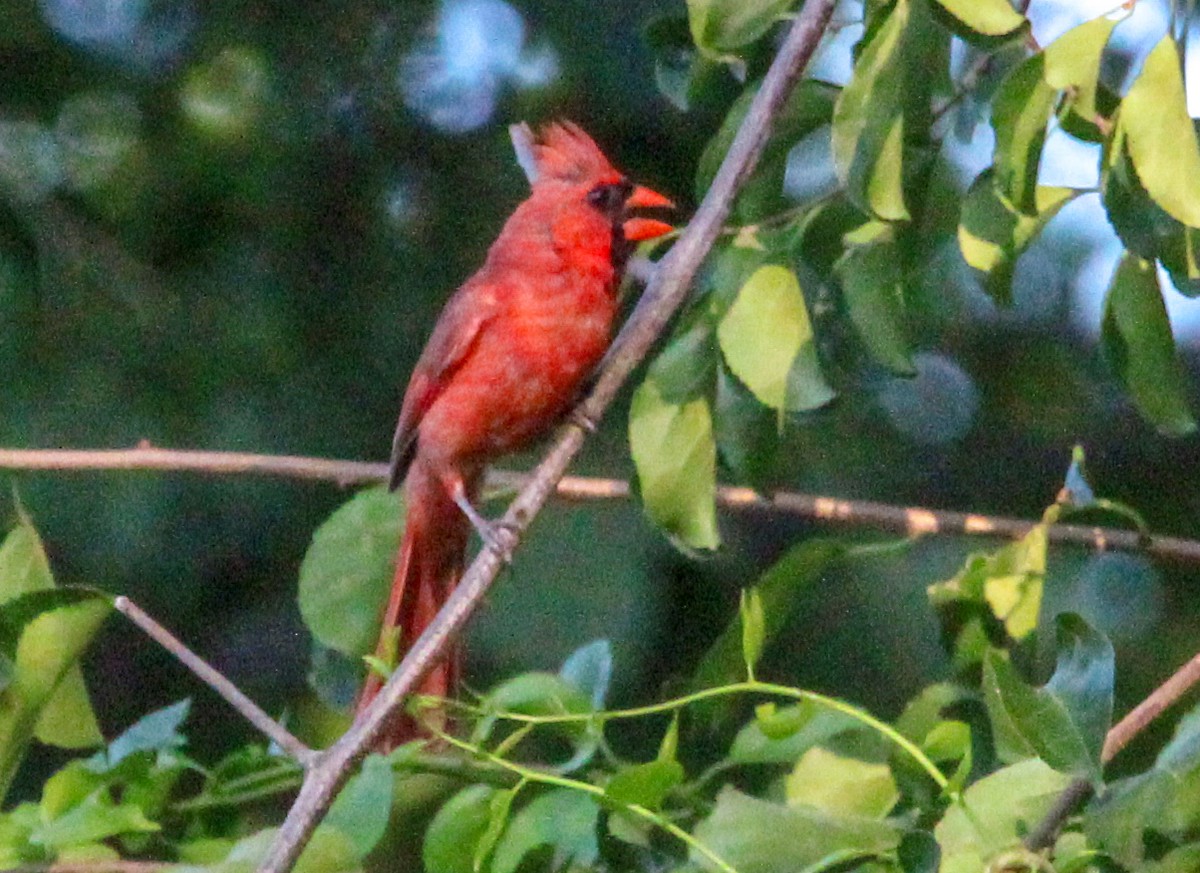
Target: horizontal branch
148,457
912,521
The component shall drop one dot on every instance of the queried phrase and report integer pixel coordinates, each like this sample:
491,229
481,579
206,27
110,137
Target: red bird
508,356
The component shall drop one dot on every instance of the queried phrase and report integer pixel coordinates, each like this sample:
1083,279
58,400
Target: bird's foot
582,420
500,536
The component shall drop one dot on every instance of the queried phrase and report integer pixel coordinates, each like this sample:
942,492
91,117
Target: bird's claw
501,537
582,420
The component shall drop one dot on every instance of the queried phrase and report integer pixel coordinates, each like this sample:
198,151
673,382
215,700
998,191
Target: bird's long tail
428,566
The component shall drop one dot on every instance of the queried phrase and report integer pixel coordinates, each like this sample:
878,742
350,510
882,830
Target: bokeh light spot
453,79
144,35
1121,594
96,133
224,97
936,406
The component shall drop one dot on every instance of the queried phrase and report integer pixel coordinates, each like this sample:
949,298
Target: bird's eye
610,198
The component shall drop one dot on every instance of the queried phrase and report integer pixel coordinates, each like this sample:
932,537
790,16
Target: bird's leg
500,535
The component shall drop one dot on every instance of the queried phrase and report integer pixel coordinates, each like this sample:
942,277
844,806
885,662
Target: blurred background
230,225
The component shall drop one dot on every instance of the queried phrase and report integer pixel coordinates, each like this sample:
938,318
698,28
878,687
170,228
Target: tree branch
1122,733
910,520
148,457
211,677
665,293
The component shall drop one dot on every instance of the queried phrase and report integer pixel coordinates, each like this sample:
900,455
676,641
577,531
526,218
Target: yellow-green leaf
1160,136
768,342
990,18
676,458
837,784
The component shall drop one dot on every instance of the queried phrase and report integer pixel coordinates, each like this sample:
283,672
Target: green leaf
589,668
992,235
1065,721
951,741
747,433
872,284
755,836
363,807
681,73
329,851
96,818
780,589
28,597
753,628
868,120
721,26
347,571
834,783
1180,255
562,818
1138,344
1073,65
1164,800
768,342
1160,136
458,827
534,693
782,736
43,632
537,693
645,785
686,367
156,732
1020,115
995,813
987,18
1005,587
676,458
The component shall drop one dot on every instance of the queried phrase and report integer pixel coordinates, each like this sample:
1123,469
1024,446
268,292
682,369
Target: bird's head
562,154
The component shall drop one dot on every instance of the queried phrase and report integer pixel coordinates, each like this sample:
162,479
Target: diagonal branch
665,293
233,695
1121,734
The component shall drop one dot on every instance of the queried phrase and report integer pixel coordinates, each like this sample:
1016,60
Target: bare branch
911,520
110,866
666,293
148,457
273,730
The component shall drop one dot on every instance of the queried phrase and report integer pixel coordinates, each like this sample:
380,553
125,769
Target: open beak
638,229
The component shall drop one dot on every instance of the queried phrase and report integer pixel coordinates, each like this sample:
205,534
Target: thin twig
250,710
1122,733
910,520
667,290
115,865
148,457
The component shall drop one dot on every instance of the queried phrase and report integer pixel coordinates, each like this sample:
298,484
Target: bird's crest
560,151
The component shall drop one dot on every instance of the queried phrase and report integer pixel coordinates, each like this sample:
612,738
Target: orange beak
638,229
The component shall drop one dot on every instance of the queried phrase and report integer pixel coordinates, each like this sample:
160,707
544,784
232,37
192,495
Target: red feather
506,359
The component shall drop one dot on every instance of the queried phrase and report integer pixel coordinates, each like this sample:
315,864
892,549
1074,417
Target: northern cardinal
507,357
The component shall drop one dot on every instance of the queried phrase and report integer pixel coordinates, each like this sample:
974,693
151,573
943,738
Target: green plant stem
747,687
528,774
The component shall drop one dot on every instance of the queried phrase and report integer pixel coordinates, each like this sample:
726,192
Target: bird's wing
454,336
